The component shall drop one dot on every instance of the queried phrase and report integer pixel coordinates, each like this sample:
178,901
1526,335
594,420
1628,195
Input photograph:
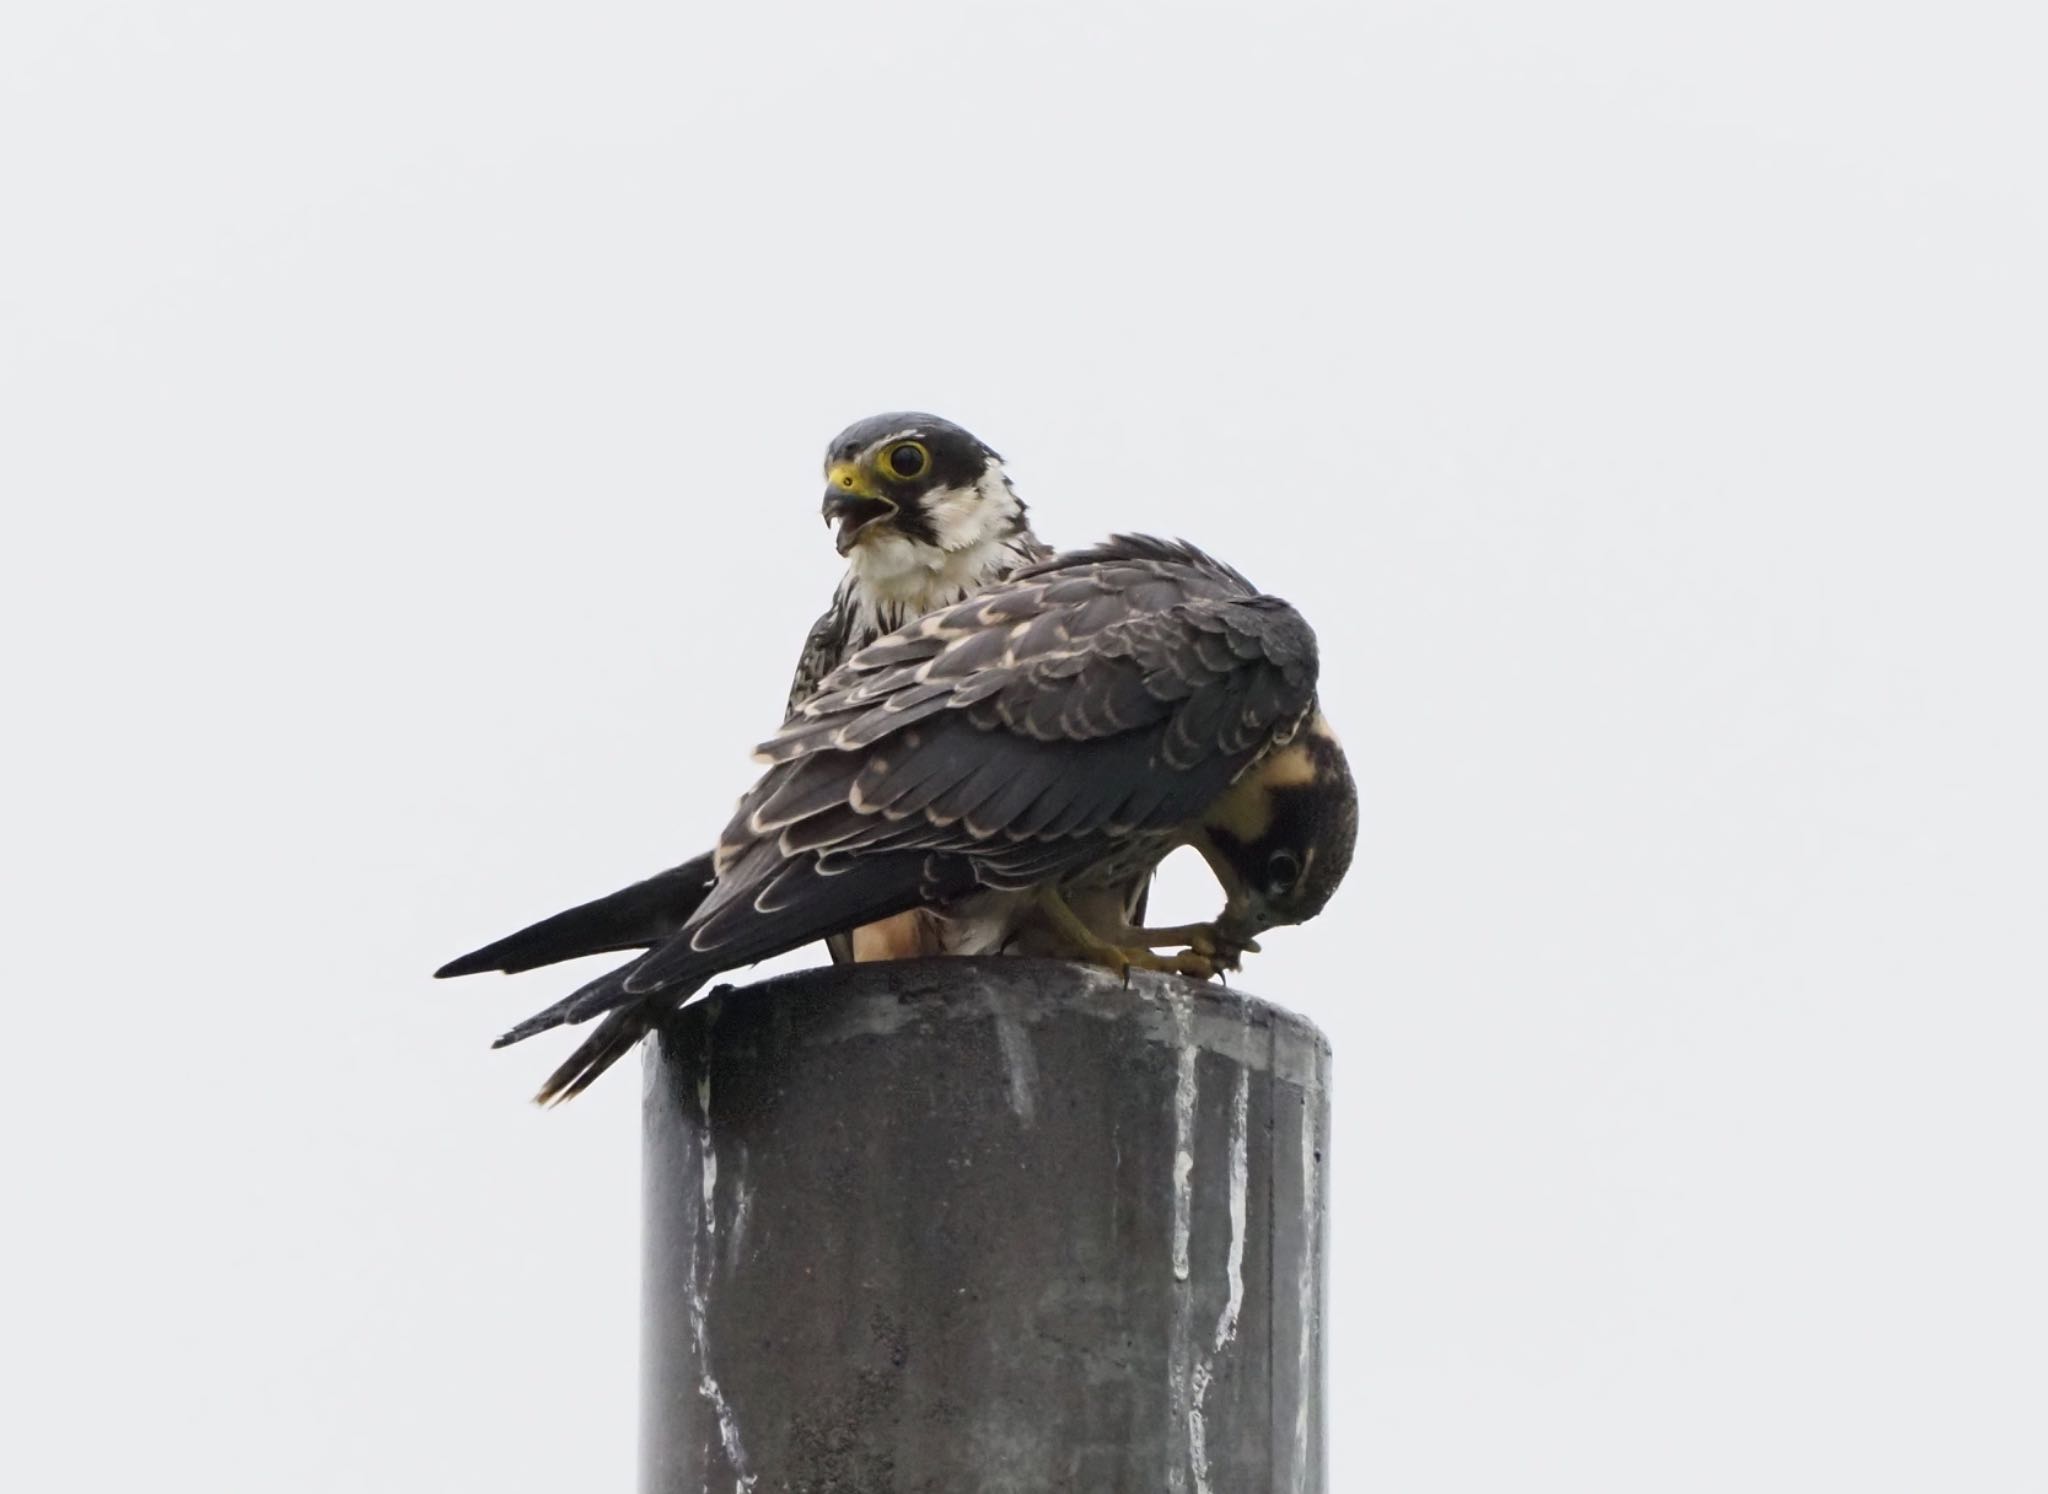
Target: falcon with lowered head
1006,768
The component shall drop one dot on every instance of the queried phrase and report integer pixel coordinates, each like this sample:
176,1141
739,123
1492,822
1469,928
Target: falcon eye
907,459
1283,870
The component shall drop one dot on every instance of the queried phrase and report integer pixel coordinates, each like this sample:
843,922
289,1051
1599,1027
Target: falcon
925,514
1004,769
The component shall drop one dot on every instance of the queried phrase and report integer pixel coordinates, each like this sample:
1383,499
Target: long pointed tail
611,1040
796,907
636,917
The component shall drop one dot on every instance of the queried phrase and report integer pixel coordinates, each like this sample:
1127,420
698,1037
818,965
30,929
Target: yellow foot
1206,939
1123,959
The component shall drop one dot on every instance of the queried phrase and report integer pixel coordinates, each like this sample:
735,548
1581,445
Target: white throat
892,578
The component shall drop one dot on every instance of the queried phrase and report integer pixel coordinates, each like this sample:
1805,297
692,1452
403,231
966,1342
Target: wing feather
800,903
1022,734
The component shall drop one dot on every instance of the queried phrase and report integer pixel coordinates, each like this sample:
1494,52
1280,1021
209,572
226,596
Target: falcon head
908,489
1280,841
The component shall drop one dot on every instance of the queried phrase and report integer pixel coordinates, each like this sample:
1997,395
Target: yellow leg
1122,958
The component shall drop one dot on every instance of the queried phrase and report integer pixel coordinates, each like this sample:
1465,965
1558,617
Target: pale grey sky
409,421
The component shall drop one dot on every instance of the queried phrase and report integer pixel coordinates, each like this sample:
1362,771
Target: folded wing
1017,737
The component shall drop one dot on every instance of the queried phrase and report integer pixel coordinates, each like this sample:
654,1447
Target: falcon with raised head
1006,768
925,514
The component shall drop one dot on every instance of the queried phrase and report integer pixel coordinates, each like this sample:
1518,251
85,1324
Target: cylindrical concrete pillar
995,1226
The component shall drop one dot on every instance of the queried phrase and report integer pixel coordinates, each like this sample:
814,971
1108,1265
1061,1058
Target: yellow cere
853,478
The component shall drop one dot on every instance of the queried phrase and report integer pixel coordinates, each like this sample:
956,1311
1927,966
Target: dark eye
1283,870
907,459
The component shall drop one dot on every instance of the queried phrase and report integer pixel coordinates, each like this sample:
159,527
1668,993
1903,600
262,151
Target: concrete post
984,1227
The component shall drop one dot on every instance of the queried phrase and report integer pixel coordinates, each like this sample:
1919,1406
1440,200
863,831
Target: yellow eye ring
905,461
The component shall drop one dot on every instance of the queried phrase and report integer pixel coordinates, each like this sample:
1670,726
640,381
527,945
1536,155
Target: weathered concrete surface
984,1227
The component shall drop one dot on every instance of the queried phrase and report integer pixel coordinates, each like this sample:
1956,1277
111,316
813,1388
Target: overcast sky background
409,423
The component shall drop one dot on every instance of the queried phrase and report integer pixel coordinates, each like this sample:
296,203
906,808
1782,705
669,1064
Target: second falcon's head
1280,841
907,484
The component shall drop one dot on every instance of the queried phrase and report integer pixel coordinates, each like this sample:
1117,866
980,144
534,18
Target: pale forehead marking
1290,766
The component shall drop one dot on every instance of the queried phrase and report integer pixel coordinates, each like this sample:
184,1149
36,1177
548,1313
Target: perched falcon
925,515
1006,768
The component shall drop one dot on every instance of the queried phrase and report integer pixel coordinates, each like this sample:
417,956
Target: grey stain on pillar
1003,1226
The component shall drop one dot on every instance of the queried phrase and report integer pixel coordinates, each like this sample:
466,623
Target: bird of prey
925,515
1005,768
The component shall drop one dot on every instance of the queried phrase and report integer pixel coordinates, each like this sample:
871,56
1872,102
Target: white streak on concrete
1226,1321
1240,1187
1307,1388
1183,1211
1181,1331
742,1209
1184,1094
1021,1063
707,1383
728,1433
703,1255
710,1158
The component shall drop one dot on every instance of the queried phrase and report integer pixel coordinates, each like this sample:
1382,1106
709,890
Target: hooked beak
853,513
1240,925
852,503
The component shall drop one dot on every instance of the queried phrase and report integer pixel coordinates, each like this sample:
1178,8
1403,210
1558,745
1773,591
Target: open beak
853,513
852,503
